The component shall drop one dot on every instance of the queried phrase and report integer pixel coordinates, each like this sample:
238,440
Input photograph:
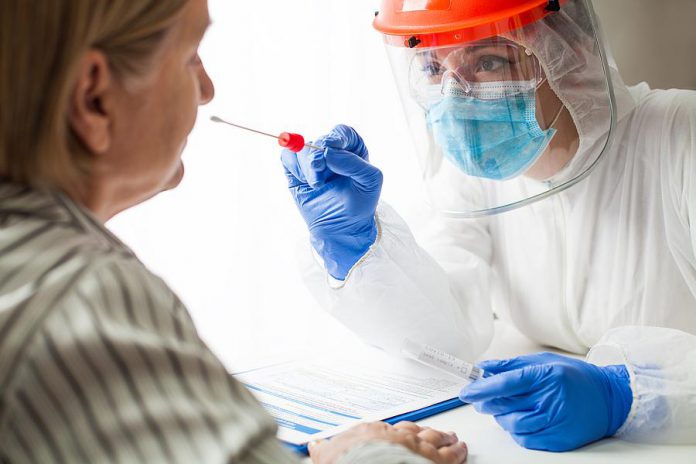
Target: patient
99,360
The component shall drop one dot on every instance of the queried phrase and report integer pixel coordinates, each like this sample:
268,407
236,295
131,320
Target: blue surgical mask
495,138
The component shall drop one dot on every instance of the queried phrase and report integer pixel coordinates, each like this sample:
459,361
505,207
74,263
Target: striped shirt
101,362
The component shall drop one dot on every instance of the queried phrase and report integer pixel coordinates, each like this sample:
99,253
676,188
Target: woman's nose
207,87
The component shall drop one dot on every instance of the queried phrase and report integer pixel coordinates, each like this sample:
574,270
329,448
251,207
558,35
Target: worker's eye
492,63
432,69
429,65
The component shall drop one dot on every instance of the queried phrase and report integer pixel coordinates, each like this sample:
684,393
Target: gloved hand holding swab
293,142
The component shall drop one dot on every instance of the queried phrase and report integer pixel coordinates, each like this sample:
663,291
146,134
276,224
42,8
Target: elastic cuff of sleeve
606,354
621,398
337,284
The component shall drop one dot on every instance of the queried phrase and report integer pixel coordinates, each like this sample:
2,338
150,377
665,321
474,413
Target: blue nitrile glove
337,192
552,402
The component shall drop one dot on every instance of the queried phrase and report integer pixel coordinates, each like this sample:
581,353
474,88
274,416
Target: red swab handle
293,142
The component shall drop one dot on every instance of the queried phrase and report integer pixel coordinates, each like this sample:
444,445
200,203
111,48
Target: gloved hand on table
337,192
552,402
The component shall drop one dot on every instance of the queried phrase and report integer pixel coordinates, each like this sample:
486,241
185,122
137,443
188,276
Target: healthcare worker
566,205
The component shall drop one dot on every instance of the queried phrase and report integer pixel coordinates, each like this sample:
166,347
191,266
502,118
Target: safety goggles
487,69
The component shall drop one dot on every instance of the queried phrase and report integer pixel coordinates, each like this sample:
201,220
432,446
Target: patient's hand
439,447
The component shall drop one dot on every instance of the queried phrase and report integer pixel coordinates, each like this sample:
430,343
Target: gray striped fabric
100,361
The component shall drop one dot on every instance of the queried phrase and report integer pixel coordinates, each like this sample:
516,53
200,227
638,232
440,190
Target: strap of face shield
554,5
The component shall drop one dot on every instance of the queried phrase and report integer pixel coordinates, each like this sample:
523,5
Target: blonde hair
41,45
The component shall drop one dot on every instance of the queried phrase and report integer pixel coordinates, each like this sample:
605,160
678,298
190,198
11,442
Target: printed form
318,398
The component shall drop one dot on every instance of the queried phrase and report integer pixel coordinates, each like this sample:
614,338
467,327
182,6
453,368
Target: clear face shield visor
510,119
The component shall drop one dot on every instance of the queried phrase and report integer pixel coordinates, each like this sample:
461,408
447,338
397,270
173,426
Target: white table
488,443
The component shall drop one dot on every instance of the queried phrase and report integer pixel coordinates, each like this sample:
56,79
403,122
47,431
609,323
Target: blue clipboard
408,416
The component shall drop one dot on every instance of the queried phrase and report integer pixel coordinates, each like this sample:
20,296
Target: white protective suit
608,265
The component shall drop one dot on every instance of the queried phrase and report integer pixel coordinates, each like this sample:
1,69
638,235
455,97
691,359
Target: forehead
493,45
193,20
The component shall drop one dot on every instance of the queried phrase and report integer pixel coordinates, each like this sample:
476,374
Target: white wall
653,40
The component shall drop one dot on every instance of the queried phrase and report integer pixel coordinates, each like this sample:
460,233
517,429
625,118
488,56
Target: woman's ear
88,116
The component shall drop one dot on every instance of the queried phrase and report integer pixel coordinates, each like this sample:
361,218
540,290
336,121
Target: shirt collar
52,206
